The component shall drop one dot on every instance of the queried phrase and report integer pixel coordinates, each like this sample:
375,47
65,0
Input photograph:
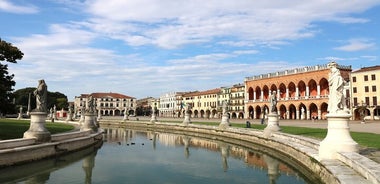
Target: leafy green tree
54,98
8,53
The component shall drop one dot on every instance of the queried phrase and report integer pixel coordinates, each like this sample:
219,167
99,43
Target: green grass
13,129
363,139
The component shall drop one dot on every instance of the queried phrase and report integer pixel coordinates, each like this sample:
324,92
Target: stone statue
41,96
187,108
336,86
273,102
224,108
90,104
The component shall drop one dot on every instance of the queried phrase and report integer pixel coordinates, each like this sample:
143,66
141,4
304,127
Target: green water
129,156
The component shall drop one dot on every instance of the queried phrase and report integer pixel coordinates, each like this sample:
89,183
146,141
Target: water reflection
253,159
40,171
147,156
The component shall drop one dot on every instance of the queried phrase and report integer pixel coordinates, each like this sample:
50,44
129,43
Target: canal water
131,156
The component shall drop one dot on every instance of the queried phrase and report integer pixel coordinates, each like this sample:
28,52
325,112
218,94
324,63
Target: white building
107,104
168,105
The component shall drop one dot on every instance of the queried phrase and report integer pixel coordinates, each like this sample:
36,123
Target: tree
54,98
8,53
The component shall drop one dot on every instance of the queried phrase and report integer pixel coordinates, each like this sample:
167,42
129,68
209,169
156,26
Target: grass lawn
13,129
369,140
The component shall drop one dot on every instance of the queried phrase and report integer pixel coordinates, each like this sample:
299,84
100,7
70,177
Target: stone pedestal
19,116
225,123
89,123
338,137
69,117
37,127
273,124
153,119
125,118
187,120
81,119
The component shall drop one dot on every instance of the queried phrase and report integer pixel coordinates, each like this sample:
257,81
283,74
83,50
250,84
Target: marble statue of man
41,96
336,85
273,102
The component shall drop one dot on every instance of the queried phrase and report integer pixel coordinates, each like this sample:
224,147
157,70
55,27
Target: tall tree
54,98
8,53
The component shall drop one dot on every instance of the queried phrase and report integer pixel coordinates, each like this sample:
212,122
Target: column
318,91
287,94
308,114
297,93
262,96
287,114
319,114
278,94
307,92
298,114
254,96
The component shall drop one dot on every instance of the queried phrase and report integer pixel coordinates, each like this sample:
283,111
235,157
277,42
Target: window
353,79
354,90
373,77
373,88
367,100
374,101
365,77
366,89
355,101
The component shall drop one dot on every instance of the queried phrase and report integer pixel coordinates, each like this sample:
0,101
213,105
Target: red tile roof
207,92
106,95
366,69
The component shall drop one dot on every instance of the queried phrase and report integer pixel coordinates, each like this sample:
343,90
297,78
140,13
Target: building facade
204,104
168,104
365,84
107,104
145,105
302,93
237,101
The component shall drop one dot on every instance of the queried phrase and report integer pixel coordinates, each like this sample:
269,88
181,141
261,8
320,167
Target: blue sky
146,48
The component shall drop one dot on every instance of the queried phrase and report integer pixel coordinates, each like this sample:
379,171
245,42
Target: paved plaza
355,126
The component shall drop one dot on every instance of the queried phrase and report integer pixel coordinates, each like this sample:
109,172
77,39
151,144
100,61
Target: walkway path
355,126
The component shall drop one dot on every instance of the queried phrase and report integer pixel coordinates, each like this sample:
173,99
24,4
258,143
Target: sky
146,48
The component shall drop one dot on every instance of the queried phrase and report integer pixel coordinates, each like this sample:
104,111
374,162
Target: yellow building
204,104
365,90
237,101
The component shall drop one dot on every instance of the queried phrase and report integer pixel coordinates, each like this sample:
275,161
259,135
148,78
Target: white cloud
69,63
356,45
171,24
370,58
10,7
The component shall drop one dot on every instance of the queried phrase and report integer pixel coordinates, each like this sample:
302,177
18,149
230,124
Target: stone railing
294,71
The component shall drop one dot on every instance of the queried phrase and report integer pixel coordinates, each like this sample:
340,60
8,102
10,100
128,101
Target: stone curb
349,168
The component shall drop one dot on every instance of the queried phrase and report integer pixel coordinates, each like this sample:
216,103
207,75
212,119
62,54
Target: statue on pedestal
336,84
338,138
41,96
90,105
38,116
273,103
